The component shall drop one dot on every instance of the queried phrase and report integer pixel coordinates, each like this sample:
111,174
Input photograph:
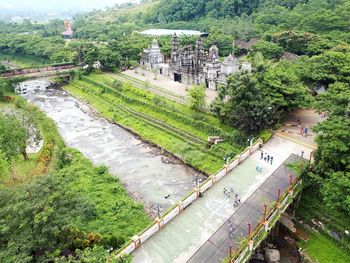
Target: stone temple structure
152,57
193,66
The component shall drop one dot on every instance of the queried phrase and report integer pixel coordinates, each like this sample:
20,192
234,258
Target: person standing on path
268,158
261,155
271,159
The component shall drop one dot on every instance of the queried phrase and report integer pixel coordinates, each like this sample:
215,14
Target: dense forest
315,31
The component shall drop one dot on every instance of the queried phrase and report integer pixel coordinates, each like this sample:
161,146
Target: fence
23,71
138,240
244,251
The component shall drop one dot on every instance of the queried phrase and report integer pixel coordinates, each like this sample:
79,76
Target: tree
4,165
242,105
13,136
333,140
336,100
3,87
109,59
197,97
17,128
34,216
336,191
268,49
293,41
282,84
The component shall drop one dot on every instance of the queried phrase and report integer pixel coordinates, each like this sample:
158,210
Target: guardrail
138,240
245,250
48,68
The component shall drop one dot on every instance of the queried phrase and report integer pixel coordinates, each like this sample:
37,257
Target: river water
148,175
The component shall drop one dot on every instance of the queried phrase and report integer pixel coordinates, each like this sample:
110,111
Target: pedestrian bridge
39,72
212,229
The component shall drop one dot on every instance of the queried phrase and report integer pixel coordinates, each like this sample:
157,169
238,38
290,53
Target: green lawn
320,246
324,250
172,126
23,61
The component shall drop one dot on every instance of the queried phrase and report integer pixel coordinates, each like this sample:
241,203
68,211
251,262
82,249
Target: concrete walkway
186,234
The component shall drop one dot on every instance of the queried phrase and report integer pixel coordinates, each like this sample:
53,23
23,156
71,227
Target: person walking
261,155
271,160
268,158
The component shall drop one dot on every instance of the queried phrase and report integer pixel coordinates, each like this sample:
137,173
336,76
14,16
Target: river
149,176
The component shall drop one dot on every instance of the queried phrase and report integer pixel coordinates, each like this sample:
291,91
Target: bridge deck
181,239
216,248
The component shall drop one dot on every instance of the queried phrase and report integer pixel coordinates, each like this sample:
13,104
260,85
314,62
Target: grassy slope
116,213
324,250
320,246
208,161
23,61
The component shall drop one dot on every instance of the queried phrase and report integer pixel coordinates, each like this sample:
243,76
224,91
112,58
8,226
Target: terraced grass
170,125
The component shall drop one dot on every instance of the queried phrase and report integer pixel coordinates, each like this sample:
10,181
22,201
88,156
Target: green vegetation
245,109
63,204
197,98
23,61
315,30
174,127
323,250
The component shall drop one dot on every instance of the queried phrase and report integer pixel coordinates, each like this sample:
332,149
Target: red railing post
265,212
279,199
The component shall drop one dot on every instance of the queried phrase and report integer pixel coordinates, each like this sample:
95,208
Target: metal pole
310,157
249,226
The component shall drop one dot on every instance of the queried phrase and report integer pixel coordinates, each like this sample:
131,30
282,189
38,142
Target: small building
289,56
68,33
152,57
245,45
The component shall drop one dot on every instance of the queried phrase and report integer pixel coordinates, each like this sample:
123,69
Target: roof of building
179,32
246,44
289,56
68,32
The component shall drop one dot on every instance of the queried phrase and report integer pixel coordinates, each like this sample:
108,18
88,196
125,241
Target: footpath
182,238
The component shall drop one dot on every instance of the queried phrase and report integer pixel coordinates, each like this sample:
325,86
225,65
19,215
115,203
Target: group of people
304,131
266,157
237,200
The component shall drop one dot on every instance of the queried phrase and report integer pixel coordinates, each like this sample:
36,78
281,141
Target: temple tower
175,49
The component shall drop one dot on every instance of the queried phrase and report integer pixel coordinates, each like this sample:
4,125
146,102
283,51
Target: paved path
186,234
295,121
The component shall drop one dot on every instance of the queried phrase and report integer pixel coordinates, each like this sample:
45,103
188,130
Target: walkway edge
138,240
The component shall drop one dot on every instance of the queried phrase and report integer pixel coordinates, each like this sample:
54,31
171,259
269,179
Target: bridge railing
22,71
138,240
246,247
